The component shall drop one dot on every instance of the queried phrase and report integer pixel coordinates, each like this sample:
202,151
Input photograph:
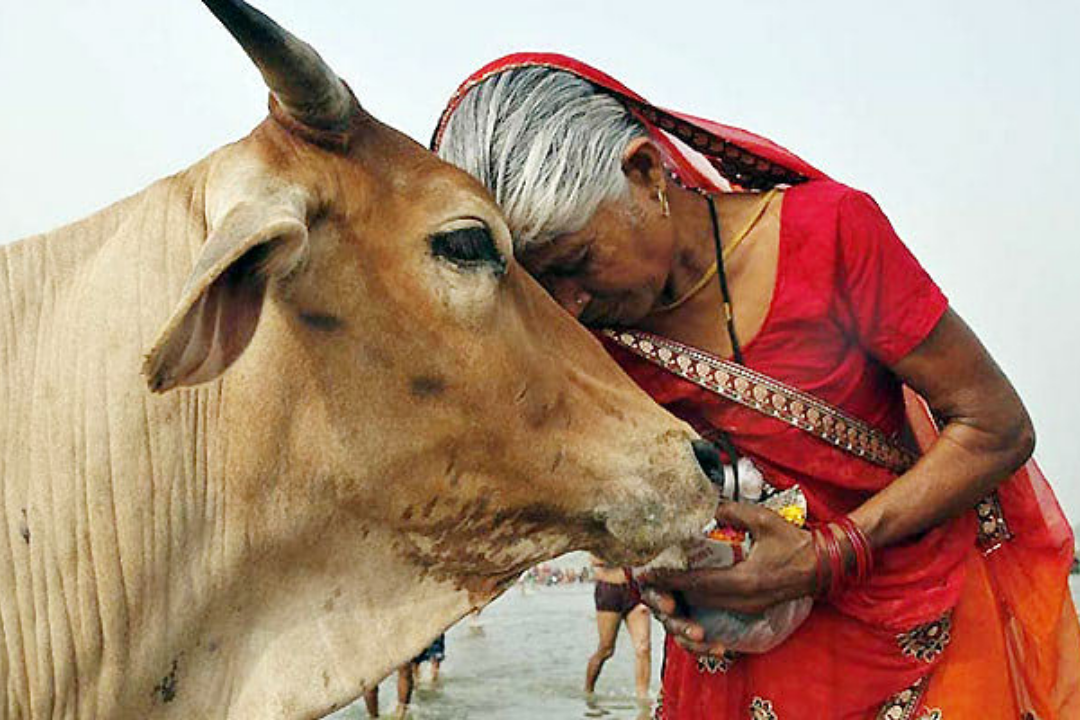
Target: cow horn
302,82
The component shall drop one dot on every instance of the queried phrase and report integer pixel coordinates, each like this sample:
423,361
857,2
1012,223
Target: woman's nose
572,297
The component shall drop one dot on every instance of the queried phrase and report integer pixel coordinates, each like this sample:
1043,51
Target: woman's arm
987,435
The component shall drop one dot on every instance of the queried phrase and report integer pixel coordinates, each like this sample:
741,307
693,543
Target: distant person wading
617,602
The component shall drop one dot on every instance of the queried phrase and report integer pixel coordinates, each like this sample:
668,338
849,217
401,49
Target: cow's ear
219,308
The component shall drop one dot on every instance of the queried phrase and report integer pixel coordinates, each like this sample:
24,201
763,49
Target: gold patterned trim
736,164
927,641
768,396
904,704
713,664
993,530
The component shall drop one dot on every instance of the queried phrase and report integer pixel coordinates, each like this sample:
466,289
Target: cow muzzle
667,509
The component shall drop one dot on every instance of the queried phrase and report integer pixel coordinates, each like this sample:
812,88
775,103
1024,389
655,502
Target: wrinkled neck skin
305,640
287,607
302,594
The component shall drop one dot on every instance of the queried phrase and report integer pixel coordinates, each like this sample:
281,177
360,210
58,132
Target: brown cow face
518,435
406,373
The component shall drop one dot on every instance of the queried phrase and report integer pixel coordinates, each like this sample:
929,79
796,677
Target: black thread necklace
721,274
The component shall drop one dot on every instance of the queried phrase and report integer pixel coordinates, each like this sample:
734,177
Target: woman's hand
687,633
781,566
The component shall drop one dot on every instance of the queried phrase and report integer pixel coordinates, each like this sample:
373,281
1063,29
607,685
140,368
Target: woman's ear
642,163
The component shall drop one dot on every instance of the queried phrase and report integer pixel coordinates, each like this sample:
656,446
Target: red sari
849,300
971,619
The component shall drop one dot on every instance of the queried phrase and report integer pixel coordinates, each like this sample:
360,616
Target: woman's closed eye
575,264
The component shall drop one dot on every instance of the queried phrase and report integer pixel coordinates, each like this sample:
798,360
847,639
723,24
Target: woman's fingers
731,581
701,649
666,611
683,629
738,588
688,634
691,637
744,515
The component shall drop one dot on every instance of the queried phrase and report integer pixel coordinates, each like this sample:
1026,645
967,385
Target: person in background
617,602
404,692
476,624
407,676
433,654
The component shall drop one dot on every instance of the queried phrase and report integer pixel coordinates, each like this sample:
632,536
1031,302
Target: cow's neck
307,629
102,515
315,597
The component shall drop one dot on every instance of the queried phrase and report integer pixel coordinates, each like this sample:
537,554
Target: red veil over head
742,158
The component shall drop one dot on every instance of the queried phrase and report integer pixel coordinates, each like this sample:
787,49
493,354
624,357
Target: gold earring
665,209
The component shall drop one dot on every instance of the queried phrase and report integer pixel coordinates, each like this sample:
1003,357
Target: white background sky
962,117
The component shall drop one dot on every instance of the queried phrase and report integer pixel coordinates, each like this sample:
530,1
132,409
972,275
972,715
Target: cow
272,423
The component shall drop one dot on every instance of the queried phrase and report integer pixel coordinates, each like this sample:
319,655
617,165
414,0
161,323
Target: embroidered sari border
768,396
904,704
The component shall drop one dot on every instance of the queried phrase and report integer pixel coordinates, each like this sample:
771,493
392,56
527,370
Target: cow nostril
708,457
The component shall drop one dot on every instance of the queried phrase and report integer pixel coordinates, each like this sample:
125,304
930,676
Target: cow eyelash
469,247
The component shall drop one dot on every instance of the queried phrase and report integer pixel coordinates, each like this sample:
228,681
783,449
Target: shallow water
526,662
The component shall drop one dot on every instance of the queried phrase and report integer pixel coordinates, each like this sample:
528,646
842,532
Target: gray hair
547,144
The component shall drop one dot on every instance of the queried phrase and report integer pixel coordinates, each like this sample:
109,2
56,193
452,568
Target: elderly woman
712,249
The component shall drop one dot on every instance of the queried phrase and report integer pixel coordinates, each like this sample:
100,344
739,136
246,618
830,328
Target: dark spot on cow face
321,322
24,528
166,689
406,516
426,386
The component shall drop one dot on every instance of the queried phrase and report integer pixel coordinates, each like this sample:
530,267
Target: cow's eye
469,247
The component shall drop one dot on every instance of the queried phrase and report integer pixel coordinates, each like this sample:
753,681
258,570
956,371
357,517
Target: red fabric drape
740,156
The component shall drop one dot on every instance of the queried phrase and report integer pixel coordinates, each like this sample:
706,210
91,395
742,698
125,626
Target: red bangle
819,563
836,559
860,546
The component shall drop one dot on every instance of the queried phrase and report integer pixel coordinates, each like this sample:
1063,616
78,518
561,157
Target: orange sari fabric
1016,646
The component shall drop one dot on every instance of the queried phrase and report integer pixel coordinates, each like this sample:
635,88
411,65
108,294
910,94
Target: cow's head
388,365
